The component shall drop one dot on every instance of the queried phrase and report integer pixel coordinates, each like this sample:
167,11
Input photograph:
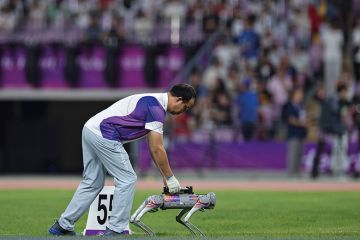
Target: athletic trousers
100,156
295,151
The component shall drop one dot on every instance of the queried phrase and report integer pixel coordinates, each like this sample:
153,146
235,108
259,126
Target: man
332,123
247,107
296,131
103,137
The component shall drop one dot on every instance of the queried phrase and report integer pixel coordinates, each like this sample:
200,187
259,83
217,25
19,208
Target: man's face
180,106
343,94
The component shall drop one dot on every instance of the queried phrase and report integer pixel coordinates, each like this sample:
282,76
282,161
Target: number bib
99,212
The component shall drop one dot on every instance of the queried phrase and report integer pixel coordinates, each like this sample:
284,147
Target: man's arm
159,156
158,153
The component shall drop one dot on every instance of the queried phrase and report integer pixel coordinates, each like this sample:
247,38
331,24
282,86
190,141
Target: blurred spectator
232,81
93,31
201,92
332,40
341,11
221,9
235,23
247,107
143,26
107,13
180,127
265,70
265,113
221,105
8,19
225,52
346,78
274,55
128,10
213,73
113,40
279,87
266,41
37,15
300,60
195,81
296,131
210,22
323,9
249,40
302,24
56,15
80,11
314,19
334,110
316,60
203,113
265,20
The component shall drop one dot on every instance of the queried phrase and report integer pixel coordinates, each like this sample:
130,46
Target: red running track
257,185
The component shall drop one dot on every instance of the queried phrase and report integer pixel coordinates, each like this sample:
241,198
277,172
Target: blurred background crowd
278,70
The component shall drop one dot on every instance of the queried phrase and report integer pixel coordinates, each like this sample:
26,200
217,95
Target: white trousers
100,156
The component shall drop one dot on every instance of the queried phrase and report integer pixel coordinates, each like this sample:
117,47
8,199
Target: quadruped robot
185,200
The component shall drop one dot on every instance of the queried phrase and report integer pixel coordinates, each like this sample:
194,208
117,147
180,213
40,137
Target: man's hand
173,184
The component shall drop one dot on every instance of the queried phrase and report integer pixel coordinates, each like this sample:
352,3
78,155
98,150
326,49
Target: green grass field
238,214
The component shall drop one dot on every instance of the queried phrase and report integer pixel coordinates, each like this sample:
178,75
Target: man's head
297,95
181,98
342,91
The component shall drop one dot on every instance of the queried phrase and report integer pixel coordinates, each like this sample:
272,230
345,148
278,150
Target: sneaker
57,230
108,232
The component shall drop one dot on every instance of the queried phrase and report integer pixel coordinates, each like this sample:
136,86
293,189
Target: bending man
103,137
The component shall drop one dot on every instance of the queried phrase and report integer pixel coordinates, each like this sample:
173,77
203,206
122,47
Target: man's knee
95,184
98,186
129,181
132,179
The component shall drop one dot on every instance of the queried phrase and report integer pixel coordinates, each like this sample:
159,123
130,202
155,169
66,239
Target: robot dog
185,200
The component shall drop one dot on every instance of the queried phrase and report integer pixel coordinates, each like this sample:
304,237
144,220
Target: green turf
238,214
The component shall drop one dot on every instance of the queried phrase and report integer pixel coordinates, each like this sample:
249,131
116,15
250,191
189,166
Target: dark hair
183,90
341,87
